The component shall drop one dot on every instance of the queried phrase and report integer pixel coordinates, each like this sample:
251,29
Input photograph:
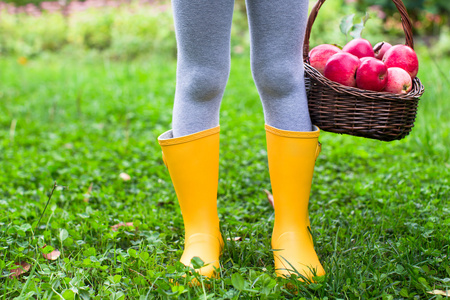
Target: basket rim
416,91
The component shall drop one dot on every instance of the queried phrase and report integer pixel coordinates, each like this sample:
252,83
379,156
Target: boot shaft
193,164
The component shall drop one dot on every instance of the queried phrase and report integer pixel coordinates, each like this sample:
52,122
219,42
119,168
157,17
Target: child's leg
277,30
203,39
191,149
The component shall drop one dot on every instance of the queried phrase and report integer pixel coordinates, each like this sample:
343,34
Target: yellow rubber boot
292,156
193,163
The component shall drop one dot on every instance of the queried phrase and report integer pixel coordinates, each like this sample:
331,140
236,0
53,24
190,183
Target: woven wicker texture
347,110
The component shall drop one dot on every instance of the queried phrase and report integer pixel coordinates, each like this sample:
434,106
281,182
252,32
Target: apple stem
378,48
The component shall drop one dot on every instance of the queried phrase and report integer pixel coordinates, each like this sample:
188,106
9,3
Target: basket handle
406,23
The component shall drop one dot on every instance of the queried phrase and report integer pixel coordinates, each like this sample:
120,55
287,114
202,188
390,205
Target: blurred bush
142,32
27,35
428,16
24,2
91,29
442,46
127,29
415,7
122,32
430,22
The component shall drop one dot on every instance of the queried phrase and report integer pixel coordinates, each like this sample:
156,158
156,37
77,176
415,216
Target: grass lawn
380,211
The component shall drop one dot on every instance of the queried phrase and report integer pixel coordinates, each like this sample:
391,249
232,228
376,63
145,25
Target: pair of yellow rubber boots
193,164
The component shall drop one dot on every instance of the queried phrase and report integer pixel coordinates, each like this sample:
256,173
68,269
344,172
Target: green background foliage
132,30
120,33
415,7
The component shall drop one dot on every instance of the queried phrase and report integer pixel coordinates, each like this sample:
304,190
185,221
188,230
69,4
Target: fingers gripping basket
341,109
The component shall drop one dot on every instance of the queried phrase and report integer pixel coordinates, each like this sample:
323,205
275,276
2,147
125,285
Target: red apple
402,56
359,48
341,68
380,49
319,55
363,59
371,74
399,81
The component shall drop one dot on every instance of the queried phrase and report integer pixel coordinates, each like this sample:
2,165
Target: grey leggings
203,38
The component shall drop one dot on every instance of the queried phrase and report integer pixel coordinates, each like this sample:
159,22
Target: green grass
379,211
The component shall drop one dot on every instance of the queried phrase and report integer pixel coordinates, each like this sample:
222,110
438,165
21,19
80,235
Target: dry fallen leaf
270,198
52,255
23,268
439,292
124,176
88,193
115,227
236,239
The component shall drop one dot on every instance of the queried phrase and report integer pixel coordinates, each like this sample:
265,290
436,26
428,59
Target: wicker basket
347,110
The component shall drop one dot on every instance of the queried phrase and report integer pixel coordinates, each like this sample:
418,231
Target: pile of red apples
380,68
